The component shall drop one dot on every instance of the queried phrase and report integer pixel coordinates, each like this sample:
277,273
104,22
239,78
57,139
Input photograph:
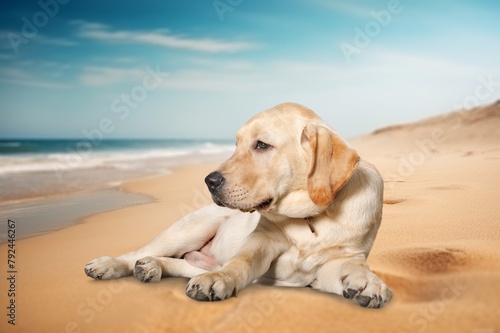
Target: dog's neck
275,218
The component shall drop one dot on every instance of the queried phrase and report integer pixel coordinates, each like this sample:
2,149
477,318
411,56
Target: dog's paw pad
211,287
366,290
195,291
148,270
105,268
351,293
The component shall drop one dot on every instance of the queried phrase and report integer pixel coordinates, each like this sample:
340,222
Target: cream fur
224,249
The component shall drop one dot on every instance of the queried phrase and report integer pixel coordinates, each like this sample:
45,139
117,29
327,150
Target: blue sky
79,66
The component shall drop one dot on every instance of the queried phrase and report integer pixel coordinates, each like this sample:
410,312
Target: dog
294,206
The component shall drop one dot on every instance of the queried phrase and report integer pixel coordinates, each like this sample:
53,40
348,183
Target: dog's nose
214,181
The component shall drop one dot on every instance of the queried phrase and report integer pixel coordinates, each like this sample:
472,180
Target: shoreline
43,215
52,213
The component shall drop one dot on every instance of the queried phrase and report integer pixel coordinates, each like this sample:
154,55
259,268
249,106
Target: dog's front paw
106,268
366,289
148,269
211,287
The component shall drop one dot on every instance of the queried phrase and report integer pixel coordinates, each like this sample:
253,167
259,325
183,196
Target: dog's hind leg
152,269
188,234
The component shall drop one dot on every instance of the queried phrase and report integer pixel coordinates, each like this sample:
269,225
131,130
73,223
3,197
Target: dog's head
287,162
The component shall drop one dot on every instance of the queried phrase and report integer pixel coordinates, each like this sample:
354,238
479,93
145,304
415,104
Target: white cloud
214,81
101,76
397,72
419,65
97,31
221,65
387,86
42,39
24,78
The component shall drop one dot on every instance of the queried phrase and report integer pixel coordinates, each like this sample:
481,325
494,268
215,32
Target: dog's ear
332,163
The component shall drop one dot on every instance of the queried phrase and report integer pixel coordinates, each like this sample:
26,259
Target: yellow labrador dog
295,207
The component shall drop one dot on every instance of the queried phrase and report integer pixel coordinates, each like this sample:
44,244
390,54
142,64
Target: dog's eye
262,145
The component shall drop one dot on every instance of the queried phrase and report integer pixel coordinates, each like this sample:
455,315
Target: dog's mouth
264,204
261,206
218,201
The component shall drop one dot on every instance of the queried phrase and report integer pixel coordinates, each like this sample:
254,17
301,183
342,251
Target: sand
438,248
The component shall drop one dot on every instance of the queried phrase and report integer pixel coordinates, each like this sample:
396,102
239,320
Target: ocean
46,185
35,168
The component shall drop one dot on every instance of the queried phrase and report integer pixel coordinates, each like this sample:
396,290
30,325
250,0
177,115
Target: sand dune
438,248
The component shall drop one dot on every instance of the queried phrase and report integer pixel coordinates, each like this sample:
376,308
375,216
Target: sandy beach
438,248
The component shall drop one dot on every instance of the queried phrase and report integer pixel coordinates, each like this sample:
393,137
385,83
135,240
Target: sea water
34,168
46,185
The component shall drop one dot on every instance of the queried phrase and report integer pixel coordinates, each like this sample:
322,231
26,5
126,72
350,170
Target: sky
200,69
